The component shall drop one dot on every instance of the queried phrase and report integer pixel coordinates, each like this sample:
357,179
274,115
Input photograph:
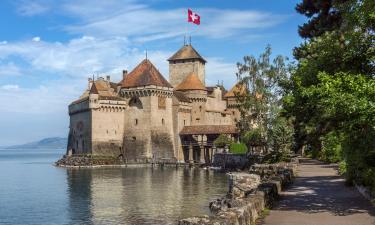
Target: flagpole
186,29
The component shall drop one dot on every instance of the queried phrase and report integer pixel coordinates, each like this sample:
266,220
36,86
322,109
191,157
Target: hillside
46,143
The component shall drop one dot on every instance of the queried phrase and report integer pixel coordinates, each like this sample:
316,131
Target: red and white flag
193,17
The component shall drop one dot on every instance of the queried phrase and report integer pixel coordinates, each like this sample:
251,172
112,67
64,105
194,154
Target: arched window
162,121
136,121
136,103
200,108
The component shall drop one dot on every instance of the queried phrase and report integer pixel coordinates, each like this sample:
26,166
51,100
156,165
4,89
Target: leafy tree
261,104
330,96
323,14
222,141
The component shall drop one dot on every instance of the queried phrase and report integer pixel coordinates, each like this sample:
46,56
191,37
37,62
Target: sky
48,49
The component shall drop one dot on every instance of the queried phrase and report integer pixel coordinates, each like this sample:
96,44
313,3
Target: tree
323,14
261,103
330,96
222,141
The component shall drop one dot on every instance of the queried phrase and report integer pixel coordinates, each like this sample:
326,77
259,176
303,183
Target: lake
33,191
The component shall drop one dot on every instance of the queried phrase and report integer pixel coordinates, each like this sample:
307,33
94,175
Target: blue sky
48,48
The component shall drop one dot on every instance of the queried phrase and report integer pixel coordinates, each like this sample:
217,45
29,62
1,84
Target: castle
144,118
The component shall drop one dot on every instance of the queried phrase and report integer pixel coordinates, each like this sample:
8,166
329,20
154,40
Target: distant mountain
46,143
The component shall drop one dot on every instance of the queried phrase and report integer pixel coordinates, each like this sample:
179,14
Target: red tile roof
209,129
191,82
143,75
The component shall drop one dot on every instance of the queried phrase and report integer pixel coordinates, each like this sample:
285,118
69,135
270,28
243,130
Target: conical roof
191,82
186,52
93,89
143,75
238,89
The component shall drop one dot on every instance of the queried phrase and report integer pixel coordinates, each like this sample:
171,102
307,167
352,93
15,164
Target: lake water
32,191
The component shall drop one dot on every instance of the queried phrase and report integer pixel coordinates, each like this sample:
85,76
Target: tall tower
184,62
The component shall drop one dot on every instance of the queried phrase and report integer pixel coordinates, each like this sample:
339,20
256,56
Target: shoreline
91,162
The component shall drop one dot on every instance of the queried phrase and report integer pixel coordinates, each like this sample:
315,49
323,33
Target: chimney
89,83
124,73
108,78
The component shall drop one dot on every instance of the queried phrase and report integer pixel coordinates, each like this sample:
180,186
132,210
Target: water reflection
141,195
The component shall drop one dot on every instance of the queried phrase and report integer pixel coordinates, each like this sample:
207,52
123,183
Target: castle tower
184,62
148,133
194,89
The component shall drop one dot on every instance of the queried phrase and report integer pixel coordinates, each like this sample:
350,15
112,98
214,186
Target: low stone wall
248,195
87,161
230,161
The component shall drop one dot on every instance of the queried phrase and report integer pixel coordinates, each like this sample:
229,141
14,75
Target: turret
184,62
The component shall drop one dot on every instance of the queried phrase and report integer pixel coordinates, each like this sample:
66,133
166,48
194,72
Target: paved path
319,196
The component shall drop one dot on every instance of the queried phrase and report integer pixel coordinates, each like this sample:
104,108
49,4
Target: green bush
342,168
238,148
331,148
222,141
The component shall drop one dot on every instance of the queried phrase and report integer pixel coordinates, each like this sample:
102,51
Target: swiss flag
193,17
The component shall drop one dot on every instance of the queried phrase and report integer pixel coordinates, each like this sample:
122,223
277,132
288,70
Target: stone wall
180,70
230,161
248,195
80,133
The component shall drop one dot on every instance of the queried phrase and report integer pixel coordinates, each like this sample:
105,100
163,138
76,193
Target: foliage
331,148
323,17
261,78
331,93
260,106
238,148
254,137
342,168
222,141
281,135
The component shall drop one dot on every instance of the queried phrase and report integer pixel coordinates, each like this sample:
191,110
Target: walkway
320,197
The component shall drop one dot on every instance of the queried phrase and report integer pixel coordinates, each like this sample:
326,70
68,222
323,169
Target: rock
241,184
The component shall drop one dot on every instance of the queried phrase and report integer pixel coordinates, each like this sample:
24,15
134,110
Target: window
161,102
162,121
136,103
184,122
136,121
134,138
200,108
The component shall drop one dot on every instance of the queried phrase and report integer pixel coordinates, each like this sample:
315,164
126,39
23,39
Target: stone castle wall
108,130
80,133
137,134
180,70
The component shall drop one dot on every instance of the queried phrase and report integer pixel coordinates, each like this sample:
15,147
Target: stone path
319,196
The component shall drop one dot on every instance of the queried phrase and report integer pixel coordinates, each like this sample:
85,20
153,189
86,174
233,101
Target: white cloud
31,7
36,39
9,69
219,70
10,87
143,23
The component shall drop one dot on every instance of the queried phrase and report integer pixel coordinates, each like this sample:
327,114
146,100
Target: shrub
222,141
238,148
331,148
